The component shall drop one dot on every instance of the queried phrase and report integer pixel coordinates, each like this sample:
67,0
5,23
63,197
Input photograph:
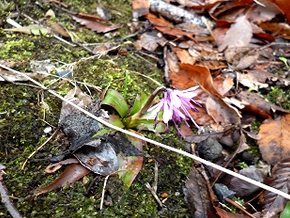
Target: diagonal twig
5,199
194,157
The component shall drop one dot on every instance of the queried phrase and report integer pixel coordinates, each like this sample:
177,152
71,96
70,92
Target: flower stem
150,100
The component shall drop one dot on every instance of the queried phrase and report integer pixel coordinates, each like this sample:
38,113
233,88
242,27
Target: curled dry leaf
274,144
189,76
71,174
51,168
254,103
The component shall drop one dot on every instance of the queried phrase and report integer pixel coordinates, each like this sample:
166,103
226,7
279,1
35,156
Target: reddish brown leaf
166,27
254,103
239,34
157,21
96,26
280,179
225,214
284,5
190,75
71,174
274,144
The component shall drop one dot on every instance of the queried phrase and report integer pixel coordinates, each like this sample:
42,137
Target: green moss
280,97
22,126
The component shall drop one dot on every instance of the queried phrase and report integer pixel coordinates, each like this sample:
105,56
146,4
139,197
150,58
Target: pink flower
175,105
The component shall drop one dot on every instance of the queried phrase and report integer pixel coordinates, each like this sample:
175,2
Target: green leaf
31,29
146,122
286,212
130,166
139,103
117,101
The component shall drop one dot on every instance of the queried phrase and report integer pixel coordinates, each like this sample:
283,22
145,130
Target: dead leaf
284,5
197,196
99,158
166,27
95,26
274,145
184,56
254,103
239,34
150,41
240,57
252,79
225,214
51,168
189,76
221,113
71,174
273,203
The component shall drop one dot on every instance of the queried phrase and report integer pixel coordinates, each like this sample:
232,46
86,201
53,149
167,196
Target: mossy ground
21,124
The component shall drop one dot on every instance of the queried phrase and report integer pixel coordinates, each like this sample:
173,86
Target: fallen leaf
252,79
99,158
95,26
221,113
184,56
197,196
239,34
274,145
254,103
225,214
192,75
149,41
273,203
51,168
71,174
284,5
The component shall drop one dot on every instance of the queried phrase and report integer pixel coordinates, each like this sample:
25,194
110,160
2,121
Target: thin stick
5,197
208,163
40,147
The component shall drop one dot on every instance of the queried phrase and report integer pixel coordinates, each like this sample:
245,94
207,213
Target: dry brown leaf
239,34
225,214
189,76
223,84
284,5
184,56
149,41
197,196
273,203
96,26
254,103
71,174
221,112
274,144
252,79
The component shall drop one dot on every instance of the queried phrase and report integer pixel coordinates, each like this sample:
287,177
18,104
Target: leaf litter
231,75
